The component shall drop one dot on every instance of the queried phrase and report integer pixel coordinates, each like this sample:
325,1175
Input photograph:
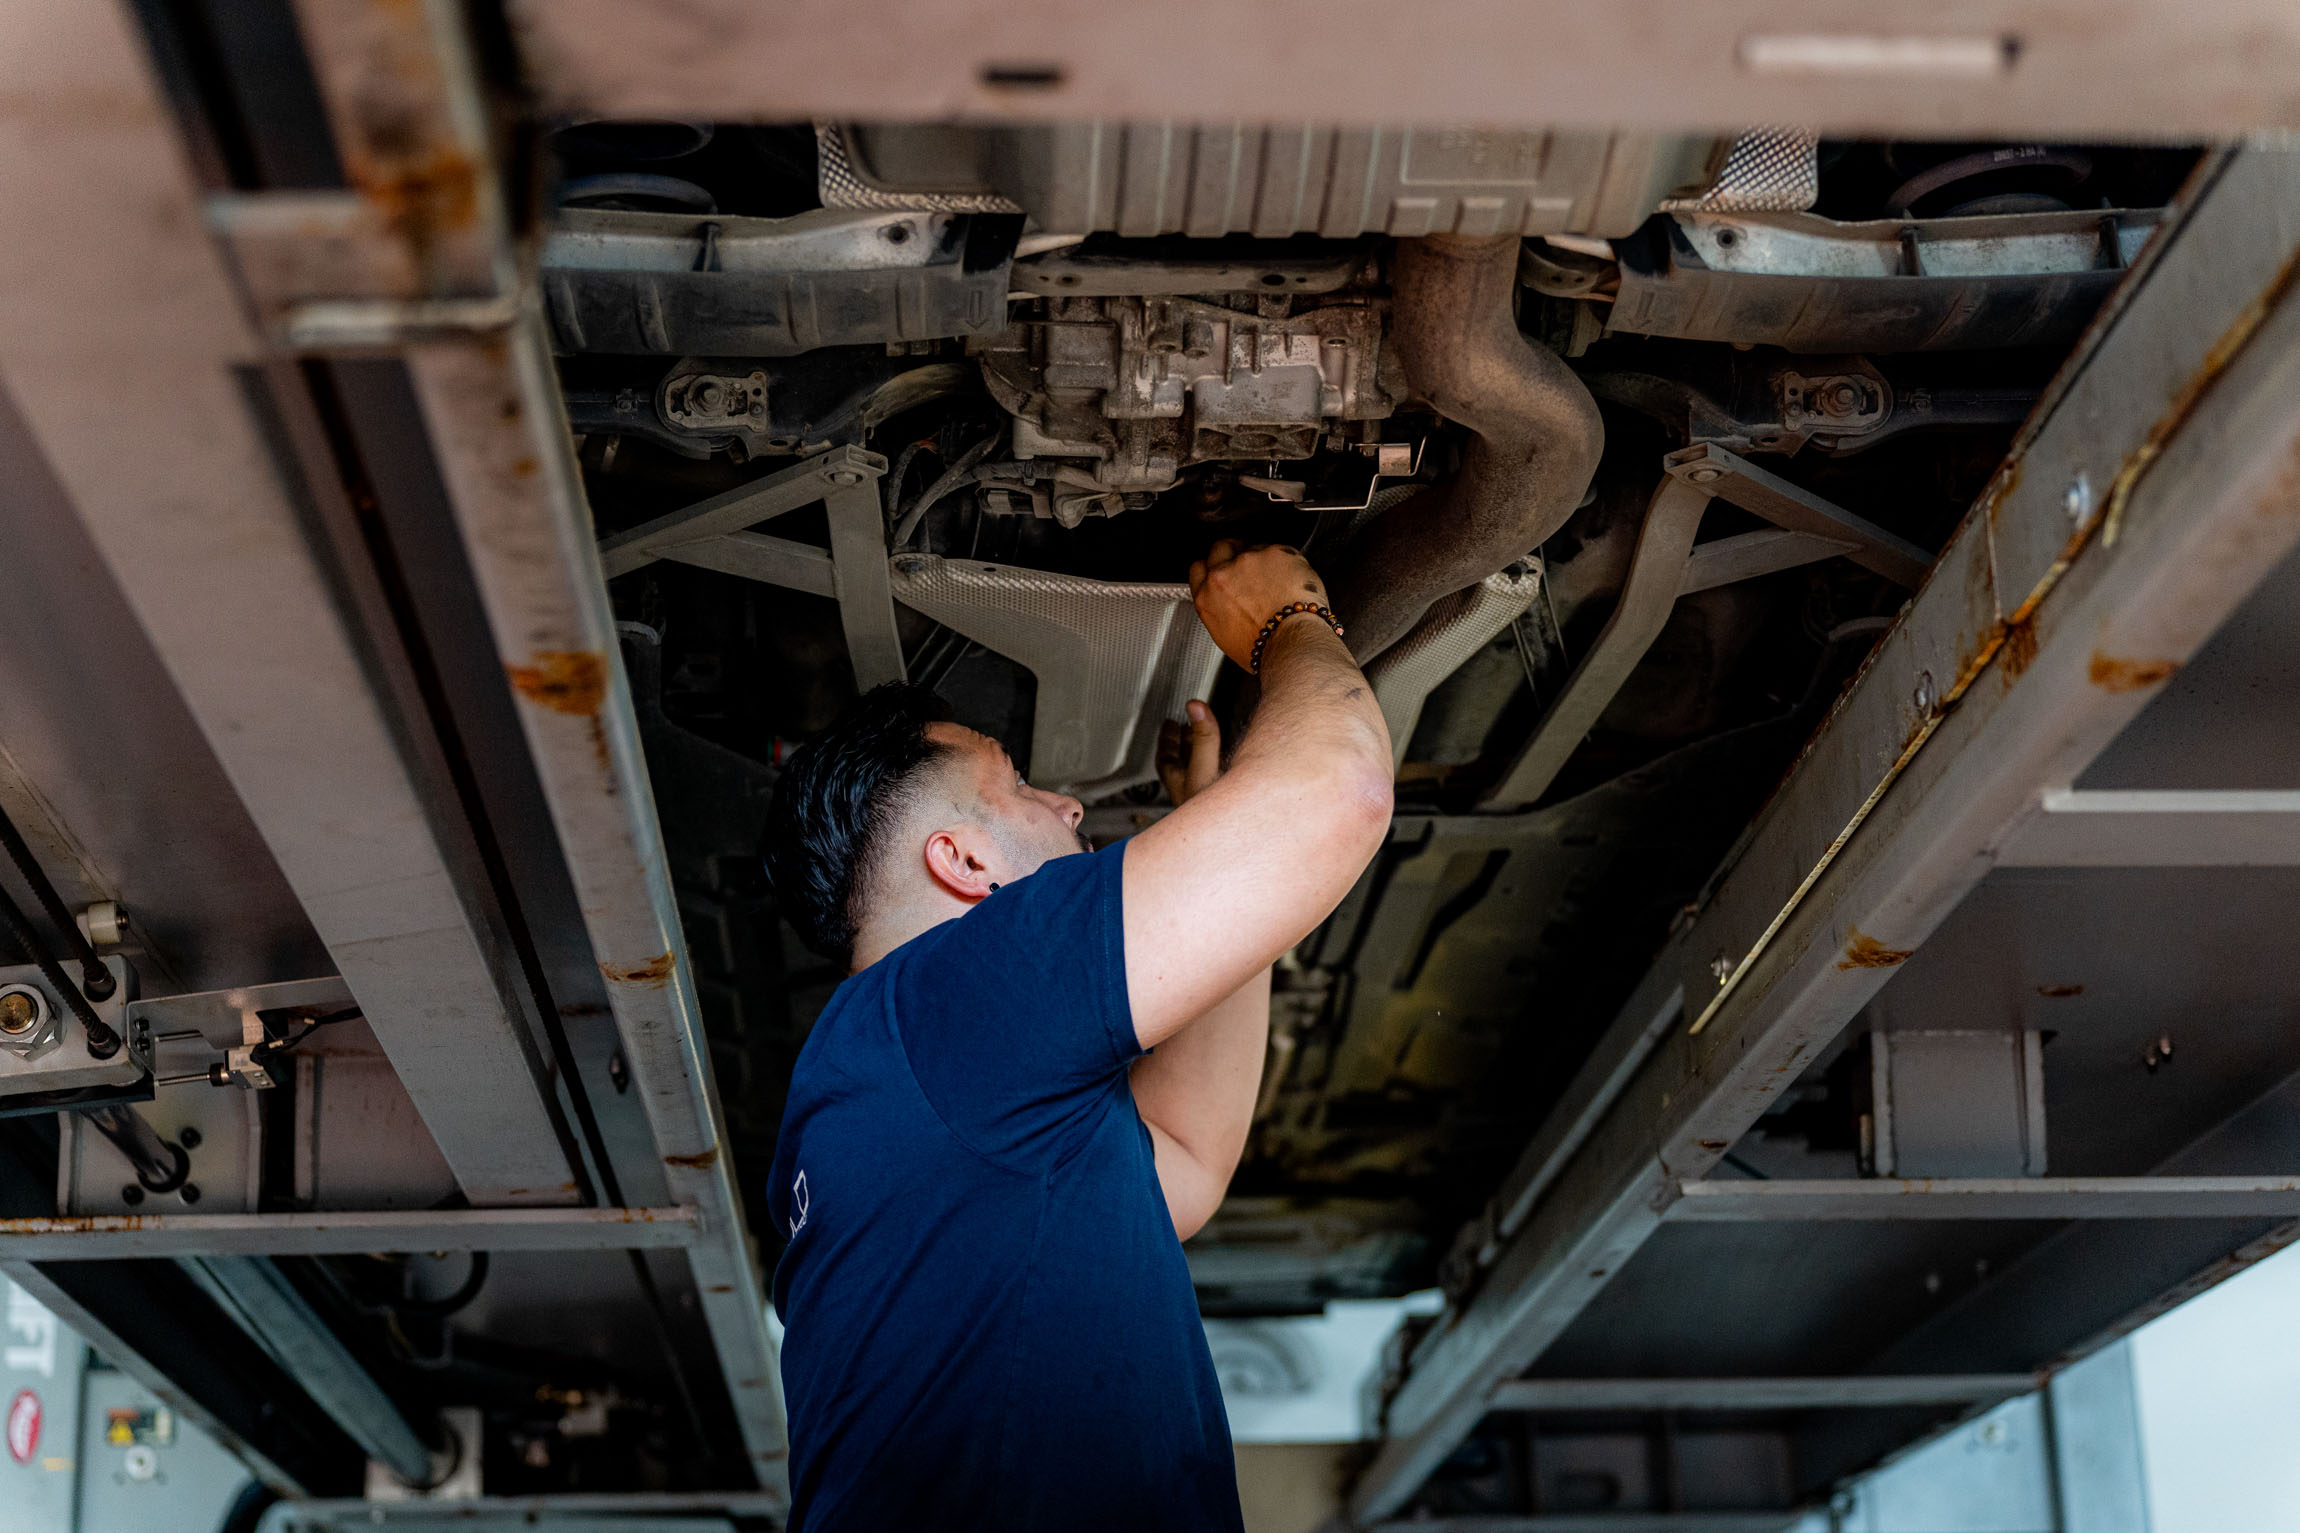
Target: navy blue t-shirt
988,1318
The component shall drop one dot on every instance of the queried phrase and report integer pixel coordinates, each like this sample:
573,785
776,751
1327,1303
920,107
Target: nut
29,1022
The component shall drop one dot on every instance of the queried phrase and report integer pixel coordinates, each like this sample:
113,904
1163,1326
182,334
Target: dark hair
834,803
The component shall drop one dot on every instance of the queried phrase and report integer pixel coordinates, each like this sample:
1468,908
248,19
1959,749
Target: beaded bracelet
1262,639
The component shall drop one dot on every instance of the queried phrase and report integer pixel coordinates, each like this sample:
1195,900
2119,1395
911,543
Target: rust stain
2018,649
654,973
702,1162
424,196
2111,674
2059,992
721,1288
1711,1144
1866,952
563,680
2191,393
523,468
78,1224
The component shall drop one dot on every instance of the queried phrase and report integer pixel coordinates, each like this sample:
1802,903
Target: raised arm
1227,882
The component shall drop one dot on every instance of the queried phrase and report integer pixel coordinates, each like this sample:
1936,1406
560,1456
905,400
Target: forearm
1198,1091
1317,712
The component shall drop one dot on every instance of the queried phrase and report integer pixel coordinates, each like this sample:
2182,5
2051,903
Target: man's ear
959,858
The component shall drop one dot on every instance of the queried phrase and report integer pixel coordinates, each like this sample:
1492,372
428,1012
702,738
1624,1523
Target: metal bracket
1668,564
712,535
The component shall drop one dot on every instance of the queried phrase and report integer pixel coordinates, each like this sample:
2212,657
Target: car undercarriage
1828,592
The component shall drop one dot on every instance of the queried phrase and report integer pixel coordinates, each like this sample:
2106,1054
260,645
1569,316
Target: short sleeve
1014,1016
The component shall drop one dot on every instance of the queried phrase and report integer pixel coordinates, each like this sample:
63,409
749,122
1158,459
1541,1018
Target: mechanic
985,1174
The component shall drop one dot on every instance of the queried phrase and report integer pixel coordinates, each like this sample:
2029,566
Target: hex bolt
1925,697
1707,473
2076,500
843,475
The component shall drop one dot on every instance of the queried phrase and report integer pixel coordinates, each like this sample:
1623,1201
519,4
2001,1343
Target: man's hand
1237,589
1189,755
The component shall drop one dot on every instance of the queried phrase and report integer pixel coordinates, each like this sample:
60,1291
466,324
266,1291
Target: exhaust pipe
1537,438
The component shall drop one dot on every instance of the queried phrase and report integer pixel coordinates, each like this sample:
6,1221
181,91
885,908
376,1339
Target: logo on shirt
799,1202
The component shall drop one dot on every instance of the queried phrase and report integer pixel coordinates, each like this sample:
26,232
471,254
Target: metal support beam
278,653
1602,1522
1656,573
711,534
255,1294
1729,476
1995,70
1747,555
136,1362
1790,1394
1667,564
2038,637
650,1512
109,1237
2041,1197
2171,829
746,505
865,588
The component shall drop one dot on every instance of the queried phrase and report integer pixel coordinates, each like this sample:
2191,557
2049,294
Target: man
985,1173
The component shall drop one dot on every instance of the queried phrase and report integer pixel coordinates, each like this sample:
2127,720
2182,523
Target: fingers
1172,761
1205,748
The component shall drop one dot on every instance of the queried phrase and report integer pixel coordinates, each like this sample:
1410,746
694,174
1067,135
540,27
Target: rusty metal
106,1237
1940,748
1535,443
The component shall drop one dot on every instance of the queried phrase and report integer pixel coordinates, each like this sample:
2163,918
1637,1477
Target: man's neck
888,930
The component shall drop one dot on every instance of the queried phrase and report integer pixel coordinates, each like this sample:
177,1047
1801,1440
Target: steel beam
136,1361
1795,1394
2164,829
211,534
2037,638
650,1512
1991,69
1602,1522
491,404
1731,477
276,1318
747,505
109,1237
1747,555
1656,573
2041,1197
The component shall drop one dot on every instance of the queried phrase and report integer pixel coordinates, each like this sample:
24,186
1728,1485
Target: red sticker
23,1426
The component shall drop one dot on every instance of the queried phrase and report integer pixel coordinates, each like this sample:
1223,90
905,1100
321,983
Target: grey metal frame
232,581
2051,618
1668,564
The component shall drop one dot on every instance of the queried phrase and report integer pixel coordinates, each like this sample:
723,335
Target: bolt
19,1013
2076,500
131,1194
189,1138
895,234
190,1192
1841,398
1707,473
1925,697
708,395
843,476
1722,967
